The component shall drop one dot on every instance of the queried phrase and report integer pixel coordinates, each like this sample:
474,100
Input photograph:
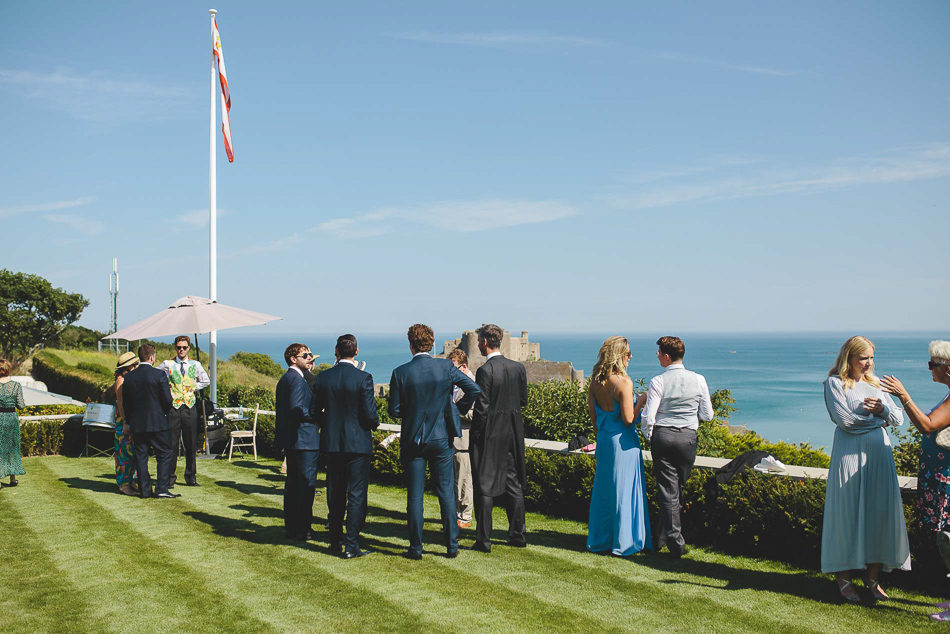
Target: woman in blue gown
619,521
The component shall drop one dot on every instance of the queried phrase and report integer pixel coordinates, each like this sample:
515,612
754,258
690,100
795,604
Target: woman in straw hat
124,449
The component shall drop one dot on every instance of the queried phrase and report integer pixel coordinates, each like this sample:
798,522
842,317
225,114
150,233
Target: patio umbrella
191,314
33,396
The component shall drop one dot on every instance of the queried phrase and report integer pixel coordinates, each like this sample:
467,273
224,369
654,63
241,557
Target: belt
7,410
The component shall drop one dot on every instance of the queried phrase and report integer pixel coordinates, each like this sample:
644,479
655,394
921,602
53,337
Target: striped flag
225,94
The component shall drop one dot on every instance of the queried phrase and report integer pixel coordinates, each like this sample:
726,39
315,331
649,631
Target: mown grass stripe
35,595
120,568
301,596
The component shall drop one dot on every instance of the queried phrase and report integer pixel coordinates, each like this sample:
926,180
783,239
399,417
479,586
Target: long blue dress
619,518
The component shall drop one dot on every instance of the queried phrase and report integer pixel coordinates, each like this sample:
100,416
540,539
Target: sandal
876,593
943,606
13,482
941,616
855,598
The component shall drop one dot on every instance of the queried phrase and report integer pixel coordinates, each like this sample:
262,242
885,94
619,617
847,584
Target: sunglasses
931,365
181,347
305,355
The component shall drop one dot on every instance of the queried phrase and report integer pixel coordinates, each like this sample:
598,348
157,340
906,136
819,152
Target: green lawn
78,557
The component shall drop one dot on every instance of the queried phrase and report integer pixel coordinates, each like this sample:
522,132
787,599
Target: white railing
907,484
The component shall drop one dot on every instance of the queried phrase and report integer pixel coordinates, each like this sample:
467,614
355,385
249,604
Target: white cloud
197,219
743,68
6,212
462,216
923,162
500,39
96,96
79,224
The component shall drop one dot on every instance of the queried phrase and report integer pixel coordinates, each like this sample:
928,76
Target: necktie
183,368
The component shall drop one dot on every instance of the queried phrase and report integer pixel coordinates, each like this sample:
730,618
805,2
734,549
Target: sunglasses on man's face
932,364
181,347
305,355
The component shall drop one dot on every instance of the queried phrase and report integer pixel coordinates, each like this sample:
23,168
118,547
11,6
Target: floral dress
11,399
933,483
125,470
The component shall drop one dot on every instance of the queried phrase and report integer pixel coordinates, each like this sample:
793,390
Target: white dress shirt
492,354
682,409
202,380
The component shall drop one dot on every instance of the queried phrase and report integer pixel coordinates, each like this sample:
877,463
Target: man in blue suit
344,408
420,393
147,398
295,432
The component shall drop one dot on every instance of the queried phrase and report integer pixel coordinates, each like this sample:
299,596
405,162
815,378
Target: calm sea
776,379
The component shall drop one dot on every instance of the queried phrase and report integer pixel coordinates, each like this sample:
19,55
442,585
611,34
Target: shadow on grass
91,485
250,464
258,511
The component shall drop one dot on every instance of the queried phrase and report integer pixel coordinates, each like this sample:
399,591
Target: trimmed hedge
51,437
258,362
62,378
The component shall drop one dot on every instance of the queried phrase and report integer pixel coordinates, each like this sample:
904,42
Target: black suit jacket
420,393
344,408
497,426
293,427
146,399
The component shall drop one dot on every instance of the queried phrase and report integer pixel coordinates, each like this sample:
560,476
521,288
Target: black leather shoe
168,496
678,554
477,548
356,554
146,495
517,544
411,555
192,483
452,554
308,536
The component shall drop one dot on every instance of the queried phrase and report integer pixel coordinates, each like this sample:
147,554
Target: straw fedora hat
127,360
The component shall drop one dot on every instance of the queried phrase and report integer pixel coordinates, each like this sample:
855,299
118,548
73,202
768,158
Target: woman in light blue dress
863,527
619,521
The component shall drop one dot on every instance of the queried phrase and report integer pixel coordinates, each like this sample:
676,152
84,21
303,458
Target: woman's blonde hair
842,368
610,359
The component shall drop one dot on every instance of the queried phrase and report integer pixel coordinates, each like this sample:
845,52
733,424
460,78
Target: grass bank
80,557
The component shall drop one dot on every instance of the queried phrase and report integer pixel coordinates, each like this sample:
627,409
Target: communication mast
114,308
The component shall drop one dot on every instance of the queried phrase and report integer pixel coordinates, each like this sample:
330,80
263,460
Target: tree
33,313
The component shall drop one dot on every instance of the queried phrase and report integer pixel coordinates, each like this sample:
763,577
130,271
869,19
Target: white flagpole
213,224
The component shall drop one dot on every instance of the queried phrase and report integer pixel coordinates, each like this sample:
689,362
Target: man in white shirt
675,403
185,377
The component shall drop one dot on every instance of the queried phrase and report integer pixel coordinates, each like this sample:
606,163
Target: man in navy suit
147,398
420,393
344,408
295,432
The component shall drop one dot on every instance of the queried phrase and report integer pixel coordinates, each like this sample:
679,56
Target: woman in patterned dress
11,399
863,528
124,449
933,476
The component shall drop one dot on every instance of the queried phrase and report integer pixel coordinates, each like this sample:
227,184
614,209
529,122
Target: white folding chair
239,437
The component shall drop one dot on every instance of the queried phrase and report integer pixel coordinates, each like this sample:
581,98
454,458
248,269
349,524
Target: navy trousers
299,489
160,442
440,457
347,483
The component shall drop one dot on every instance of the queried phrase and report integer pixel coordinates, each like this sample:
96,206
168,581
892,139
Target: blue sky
758,166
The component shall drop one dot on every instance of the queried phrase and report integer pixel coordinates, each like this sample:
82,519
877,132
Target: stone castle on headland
517,349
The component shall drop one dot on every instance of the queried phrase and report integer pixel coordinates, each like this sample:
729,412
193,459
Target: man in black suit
420,393
295,433
146,399
497,440
344,408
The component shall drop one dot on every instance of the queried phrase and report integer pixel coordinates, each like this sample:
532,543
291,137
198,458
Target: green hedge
258,362
62,378
51,437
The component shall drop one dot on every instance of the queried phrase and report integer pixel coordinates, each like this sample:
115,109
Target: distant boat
732,352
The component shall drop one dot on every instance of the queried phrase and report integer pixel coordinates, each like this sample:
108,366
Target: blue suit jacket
146,399
344,408
420,392
294,428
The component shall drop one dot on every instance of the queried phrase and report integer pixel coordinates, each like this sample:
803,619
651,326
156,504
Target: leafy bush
907,451
51,437
258,362
556,410
245,396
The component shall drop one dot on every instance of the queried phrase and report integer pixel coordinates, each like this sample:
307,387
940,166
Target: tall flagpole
213,224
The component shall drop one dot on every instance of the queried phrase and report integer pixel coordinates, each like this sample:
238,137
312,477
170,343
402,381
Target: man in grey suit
675,403
497,440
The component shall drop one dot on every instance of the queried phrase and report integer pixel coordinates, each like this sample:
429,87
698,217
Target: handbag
943,438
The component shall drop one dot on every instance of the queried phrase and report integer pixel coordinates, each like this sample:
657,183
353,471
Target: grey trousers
464,489
674,452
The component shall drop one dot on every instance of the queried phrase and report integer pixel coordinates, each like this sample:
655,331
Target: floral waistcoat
183,387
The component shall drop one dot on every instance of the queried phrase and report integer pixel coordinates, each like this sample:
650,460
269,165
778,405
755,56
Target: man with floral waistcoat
185,377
